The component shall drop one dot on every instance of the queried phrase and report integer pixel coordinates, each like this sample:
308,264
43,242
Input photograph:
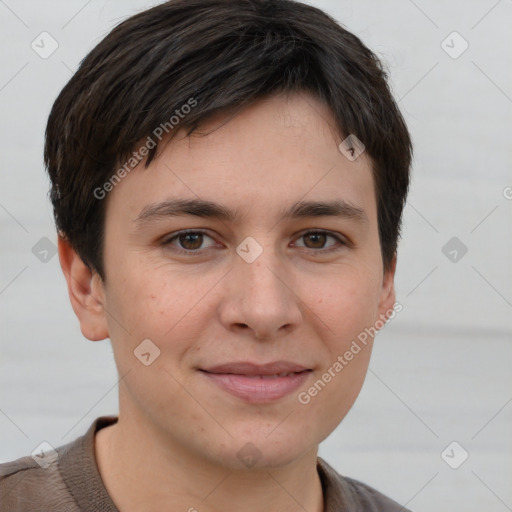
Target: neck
156,475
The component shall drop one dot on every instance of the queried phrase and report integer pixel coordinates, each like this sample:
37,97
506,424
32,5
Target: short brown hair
225,54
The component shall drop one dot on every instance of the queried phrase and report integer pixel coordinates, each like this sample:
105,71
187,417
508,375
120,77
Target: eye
316,241
189,241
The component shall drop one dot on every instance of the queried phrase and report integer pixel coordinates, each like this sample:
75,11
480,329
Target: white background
441,370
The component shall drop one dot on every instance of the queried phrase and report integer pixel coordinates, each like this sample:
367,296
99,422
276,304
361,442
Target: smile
257,388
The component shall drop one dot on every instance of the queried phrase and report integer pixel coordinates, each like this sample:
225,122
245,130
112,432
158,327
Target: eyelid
342,240
166,240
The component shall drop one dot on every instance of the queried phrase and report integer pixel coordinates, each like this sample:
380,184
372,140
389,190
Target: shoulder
25,485
344,493
373,499
63,479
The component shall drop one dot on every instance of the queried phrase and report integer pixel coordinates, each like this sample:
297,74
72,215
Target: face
257,286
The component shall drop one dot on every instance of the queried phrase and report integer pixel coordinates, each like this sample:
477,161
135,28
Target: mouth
258,384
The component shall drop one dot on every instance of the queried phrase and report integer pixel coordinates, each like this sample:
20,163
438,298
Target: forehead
276,153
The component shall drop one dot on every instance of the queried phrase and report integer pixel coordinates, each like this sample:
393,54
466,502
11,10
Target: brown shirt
72,483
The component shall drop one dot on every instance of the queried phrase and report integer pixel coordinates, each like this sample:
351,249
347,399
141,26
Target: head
224,119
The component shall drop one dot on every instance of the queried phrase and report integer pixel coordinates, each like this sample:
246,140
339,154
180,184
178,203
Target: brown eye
317,240
191,241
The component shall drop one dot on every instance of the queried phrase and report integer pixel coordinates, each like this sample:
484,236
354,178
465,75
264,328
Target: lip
248,368
258,384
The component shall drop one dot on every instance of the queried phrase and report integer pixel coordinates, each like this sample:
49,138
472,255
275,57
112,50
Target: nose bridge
259,268
260,296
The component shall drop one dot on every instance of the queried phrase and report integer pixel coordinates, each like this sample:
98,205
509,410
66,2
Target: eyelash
167,241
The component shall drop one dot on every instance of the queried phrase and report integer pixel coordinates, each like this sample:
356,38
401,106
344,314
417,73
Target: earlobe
86,293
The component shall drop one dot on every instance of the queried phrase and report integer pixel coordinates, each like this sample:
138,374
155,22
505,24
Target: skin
295,302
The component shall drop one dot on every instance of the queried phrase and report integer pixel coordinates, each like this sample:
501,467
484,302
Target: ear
387,294
86,293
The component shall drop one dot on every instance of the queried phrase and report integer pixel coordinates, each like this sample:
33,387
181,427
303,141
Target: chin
266,451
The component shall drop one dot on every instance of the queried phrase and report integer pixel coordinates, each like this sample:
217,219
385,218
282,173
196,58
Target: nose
261,297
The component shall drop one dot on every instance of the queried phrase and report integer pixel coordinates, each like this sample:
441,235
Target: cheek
348,312
348,306
158,305
146,307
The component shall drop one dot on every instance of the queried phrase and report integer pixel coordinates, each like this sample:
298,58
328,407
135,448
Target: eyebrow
209,209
